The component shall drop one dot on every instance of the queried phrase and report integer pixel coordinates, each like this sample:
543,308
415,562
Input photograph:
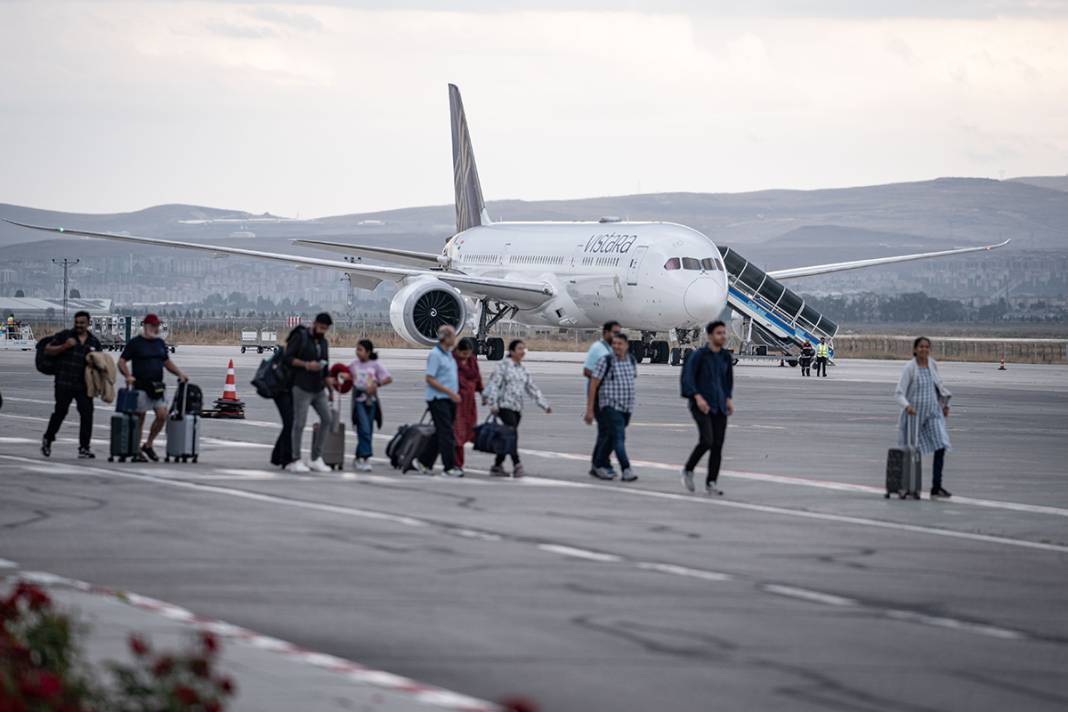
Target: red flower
186,695
163,666
519,704
226,685
138,646
41,684
209,641
212,706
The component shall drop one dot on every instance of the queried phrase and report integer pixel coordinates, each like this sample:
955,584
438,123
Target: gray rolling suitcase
183,428
903,475
334,438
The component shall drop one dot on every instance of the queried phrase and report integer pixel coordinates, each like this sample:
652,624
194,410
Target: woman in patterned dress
509,386
924,398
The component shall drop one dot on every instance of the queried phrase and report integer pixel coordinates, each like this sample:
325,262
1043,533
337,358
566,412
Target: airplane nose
705,298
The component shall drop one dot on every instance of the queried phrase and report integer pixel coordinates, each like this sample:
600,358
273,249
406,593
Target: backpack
272,375
48,365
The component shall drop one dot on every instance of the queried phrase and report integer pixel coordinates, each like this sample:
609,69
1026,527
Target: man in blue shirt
708,383
148,354
595,355
442,395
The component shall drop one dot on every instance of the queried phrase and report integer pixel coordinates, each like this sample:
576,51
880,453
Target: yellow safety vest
822,351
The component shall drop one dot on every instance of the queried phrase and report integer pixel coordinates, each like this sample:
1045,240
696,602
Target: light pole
67,263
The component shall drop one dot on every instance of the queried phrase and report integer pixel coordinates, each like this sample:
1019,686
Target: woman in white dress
923,395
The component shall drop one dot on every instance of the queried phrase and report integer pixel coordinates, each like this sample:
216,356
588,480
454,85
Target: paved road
801,589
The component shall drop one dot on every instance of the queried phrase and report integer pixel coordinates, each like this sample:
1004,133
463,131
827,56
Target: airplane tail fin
470,207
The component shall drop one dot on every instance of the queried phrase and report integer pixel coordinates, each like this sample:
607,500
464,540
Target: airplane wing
410,258
859,264
525,295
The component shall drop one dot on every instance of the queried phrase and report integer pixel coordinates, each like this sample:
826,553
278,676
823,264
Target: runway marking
808,595
686,571
5,564
426,694
580,553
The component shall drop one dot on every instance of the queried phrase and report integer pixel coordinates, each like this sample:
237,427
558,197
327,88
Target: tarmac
801,588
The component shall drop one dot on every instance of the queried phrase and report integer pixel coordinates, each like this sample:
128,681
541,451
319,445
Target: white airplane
656,278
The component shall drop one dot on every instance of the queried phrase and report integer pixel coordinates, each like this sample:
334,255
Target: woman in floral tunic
510,384
924,400
470,384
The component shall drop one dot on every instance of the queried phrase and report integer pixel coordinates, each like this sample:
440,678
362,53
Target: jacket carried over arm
100,376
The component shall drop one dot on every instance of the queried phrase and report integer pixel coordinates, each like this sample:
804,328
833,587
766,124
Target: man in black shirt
69,348
148,353
307,355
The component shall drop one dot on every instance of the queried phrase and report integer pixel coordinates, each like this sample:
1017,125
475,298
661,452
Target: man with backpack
65,356
307,355
708,383
610,399
148,353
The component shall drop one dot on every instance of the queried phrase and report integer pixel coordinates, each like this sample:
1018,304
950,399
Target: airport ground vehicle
259,339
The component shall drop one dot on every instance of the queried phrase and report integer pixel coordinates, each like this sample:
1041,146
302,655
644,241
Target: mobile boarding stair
776,315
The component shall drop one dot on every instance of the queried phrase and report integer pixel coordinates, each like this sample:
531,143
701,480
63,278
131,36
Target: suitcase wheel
194,458
111,459
184,459
167,458
886,496
903,495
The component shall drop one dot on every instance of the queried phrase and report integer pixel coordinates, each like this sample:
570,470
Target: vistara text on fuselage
653,276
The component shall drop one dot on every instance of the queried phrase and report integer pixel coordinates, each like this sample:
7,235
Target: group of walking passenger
453,390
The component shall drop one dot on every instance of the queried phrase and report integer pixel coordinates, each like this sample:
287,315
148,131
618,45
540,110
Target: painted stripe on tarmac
5,564
685,571
580,553
426,694
808,595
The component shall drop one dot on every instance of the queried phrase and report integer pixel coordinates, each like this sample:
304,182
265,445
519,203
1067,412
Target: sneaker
687,480
454,472
711,488
139,457
150,453
46,447
628,475
498,471
423,469
518,471
297,466
603,473
364,464
356,463
940,492
85,453
317,465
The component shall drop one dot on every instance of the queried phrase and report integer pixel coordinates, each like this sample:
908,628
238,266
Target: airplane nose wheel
493,348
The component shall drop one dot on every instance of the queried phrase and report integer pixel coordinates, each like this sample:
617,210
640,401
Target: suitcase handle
912,430
178,405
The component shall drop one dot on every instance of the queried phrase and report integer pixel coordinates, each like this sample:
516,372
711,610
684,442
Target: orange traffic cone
229,405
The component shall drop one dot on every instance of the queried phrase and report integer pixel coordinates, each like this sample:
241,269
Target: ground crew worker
11,331
823,352
805,359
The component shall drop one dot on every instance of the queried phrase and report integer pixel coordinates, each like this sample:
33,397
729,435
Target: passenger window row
708,264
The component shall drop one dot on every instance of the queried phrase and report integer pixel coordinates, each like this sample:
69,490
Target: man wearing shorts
148,355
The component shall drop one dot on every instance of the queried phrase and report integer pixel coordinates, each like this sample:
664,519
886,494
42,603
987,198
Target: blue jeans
614,426
363,417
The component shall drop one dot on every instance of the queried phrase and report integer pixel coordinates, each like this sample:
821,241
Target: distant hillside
846,221
1051,182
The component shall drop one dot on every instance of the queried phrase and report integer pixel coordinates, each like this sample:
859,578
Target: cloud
300,21
226,28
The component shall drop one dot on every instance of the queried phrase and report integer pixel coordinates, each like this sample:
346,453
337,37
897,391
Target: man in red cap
148,354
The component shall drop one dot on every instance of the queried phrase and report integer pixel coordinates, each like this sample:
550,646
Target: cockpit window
711,264
691,263
673,263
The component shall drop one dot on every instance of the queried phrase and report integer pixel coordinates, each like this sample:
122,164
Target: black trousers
282,454
936,468
510,418
806,366
711,431
821,365
64,396
443,413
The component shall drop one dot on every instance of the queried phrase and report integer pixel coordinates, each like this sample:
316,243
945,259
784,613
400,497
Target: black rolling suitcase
409,443
123,436
903,475
334,438
183,425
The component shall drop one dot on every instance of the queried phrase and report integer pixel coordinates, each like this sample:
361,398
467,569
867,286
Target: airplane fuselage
651,276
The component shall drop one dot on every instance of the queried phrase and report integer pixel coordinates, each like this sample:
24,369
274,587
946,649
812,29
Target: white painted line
954,624
355,672
683,571
580,553
809,595
5,564
483,536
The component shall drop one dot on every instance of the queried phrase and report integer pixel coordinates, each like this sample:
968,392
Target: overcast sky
319,109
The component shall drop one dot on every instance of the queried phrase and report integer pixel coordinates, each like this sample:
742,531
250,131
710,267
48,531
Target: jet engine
420,308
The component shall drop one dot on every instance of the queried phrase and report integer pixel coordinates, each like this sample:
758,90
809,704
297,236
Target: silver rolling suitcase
334,437
903,475
183,429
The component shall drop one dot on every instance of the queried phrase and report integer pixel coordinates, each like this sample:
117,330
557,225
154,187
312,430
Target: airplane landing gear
490,313
646,347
